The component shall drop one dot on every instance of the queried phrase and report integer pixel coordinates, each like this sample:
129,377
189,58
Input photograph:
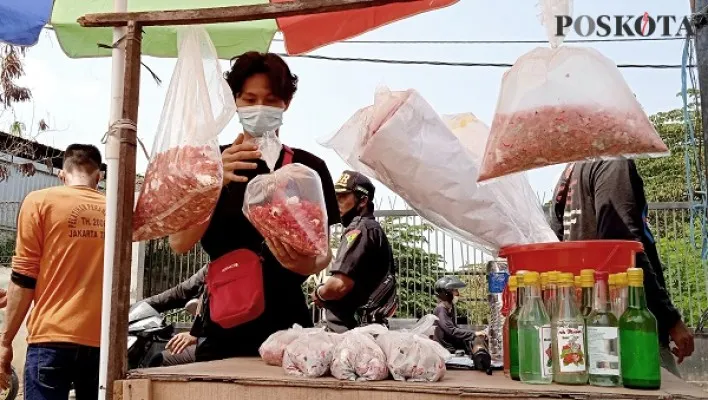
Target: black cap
352,181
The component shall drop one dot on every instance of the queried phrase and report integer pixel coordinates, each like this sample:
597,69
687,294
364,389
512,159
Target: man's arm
19,302
345,270
449,328
178,296
619,200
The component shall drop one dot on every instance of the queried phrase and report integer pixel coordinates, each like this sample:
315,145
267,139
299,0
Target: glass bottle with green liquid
550,293
535,343
639,338
568,333
512,283
587,281
602,329
514,328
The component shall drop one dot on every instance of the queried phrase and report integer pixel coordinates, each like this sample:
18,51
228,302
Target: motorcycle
149,332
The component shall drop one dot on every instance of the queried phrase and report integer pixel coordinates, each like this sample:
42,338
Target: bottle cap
512,282
612,280
520,278
553,277
601,276
565,279
621,279
587,281
576,280
587,272
531,278
544,279
635,277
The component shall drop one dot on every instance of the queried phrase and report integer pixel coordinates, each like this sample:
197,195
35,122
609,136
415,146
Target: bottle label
497,282
571,349
603,351
546,347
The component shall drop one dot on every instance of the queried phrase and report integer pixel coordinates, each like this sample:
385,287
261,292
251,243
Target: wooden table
251,379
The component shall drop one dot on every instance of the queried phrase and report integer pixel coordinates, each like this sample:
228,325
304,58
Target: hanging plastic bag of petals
288,204
272,349
553,16
184,176
310,355
564,105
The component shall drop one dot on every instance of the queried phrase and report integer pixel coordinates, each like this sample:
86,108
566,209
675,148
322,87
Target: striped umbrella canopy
21,22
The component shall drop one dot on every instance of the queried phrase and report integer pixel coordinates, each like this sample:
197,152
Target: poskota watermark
644,25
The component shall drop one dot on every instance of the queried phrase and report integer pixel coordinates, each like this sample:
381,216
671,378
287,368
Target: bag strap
288,156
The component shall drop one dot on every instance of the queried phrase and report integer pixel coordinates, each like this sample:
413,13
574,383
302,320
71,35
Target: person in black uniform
263,87
447,333
362,287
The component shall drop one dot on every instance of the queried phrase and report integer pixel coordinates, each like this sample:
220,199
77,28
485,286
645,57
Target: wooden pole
120,290
229,14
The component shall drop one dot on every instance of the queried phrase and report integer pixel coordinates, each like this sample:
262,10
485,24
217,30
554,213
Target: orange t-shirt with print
60,236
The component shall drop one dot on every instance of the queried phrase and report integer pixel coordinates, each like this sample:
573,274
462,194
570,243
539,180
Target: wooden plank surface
228,14
253,372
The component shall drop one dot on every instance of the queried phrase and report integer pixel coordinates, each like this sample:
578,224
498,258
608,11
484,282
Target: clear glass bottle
507,351
587,281
550,295
514,328
568,333
578,289
639,338
622,293
535,343
602,337
612,281
544,282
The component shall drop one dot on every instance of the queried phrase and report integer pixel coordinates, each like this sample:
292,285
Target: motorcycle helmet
445,285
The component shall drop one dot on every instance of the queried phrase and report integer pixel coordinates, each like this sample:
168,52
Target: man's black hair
86,157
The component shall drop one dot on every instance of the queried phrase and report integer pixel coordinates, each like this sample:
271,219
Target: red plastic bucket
613,256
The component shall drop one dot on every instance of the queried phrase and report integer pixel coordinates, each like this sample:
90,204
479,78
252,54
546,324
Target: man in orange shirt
58,268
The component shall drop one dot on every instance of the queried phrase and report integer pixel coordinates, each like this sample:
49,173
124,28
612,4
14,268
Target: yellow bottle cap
544,278
576,280
531,278
621,279
512,283
520,278
565,279
612,279
587,281
635,277
553,277
588,272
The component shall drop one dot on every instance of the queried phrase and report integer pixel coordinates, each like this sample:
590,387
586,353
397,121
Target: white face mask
257,120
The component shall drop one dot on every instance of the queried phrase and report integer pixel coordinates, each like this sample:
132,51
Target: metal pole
112,154
701,32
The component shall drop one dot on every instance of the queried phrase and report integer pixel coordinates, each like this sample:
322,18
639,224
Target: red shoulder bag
235,283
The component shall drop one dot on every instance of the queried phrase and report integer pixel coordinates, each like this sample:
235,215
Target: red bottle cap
602,276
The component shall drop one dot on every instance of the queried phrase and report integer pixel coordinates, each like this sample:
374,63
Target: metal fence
423,254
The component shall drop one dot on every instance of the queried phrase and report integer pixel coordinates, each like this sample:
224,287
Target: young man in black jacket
606,200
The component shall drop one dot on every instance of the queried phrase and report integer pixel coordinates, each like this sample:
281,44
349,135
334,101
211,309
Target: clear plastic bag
288,204
359,357
184,177
564,105
550,10
401,140
272,349
412,357
310,355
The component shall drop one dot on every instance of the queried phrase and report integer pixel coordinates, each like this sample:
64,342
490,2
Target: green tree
665,177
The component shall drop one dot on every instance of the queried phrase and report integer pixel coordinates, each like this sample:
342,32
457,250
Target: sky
73,96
